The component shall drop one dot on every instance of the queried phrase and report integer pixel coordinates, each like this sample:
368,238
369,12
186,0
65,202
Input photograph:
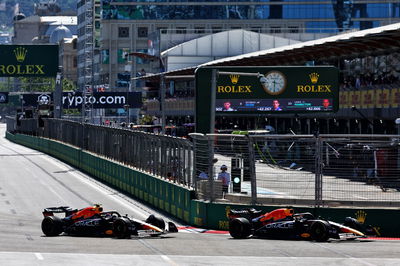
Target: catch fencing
163,156
324,170
301,169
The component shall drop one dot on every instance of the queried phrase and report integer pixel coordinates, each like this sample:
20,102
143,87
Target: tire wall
159,193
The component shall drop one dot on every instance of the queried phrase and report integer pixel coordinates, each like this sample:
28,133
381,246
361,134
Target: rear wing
62,209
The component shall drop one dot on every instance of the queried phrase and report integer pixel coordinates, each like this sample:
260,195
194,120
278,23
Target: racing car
93,221
285,224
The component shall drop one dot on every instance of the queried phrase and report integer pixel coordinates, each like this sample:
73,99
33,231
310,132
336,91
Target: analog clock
274,82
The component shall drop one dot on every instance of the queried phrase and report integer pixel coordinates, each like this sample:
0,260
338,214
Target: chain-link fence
280,169
303,169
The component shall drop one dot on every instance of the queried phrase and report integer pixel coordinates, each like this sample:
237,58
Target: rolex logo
314,77
361,216
227,211
234,78
20,53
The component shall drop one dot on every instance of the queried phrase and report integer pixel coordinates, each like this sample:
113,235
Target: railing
302,169
280,169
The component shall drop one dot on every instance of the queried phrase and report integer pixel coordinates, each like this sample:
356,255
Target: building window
180,30
75,62
142,32
216,29
199,30
293,29
256,29
275,30
105,56
162,30
122,55
74,44
123,32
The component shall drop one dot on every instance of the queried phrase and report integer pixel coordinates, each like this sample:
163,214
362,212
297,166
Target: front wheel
156,221
319,231
239,228
122,227
52,226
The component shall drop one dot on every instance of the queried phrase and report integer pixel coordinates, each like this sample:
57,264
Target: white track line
39,256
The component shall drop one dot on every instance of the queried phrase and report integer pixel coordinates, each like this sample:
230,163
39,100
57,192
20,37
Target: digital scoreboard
273,105
262,90
252,90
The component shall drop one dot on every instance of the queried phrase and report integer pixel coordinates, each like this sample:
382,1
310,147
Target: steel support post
252,171
318,172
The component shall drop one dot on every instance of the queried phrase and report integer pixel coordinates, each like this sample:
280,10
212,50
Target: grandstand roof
375,41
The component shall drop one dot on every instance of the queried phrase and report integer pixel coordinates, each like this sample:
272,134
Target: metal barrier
164,156
301,169
267,169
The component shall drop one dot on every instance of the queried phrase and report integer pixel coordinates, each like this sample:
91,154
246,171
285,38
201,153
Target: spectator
170,177
225,177
203,176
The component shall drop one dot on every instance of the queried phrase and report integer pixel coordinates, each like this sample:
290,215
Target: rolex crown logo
361,216
227,211
20,53
314,77
234,78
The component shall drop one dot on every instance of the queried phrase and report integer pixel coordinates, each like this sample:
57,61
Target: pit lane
31,181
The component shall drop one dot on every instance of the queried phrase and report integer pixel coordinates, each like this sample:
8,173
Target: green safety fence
180,202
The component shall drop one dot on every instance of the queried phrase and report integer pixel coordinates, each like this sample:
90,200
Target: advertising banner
395,98
385,98
74,100
382,98
355,98
28,60
344,99
370,98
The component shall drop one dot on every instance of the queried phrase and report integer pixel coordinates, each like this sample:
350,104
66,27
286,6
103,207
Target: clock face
274,82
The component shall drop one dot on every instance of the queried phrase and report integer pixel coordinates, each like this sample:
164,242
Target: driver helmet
224,167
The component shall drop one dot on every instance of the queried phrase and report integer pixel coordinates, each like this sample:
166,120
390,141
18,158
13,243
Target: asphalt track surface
31,181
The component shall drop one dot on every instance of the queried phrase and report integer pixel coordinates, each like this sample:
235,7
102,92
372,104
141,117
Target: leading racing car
93,221
285,224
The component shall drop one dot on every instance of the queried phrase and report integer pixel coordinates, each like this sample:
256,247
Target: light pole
58,94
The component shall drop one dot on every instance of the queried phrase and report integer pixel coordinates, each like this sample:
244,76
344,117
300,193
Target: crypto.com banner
71,100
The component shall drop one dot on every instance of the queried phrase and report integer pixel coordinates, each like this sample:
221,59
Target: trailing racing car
285,224
93,221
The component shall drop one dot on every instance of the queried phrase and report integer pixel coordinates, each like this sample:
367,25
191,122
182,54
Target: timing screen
273,105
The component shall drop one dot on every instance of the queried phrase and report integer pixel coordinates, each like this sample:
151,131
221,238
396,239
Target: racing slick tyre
122,227
239,228
319,231
156,221
52,226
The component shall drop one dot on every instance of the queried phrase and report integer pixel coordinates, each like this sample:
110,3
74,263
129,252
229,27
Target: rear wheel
156,221
121,227
319,231
239,228
52,226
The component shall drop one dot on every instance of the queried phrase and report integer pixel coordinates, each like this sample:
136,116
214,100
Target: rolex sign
28,60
